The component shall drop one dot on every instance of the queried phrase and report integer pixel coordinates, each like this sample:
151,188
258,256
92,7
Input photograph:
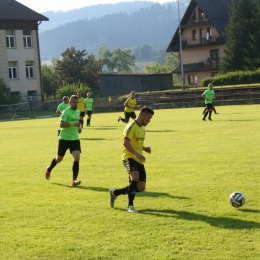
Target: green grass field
184,213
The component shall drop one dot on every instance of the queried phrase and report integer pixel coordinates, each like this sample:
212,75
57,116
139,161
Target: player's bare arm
66,125
147,149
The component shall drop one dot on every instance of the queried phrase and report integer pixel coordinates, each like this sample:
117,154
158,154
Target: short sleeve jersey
209,93
89,103
136,134
131,102
81,104
70,116
62,106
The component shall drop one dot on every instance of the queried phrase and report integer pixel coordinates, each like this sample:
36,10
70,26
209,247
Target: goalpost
46,109
15,111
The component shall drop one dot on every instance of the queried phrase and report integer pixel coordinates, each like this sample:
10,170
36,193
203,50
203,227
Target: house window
29,70
9,36
12,66
194,35
27,39
193,79
214,55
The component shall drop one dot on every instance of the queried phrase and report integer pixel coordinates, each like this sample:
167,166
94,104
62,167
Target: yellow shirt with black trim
130,102
136,134
81,104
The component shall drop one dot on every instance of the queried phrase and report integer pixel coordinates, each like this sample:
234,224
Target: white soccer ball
237,199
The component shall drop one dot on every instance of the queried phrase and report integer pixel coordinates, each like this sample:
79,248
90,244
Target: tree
49,80
117,61
240,28
170,63
254,38
6,98
70,89
79,66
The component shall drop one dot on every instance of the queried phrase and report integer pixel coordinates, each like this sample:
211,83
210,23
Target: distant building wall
121,84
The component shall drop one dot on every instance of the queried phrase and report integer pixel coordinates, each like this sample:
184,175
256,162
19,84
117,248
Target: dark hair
146,109
74,96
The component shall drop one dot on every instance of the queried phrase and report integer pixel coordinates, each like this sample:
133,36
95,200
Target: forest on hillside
153,26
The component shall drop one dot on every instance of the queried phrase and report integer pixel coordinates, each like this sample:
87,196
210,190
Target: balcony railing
203,40
209,65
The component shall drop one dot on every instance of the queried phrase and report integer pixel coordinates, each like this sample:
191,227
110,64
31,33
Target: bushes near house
234,78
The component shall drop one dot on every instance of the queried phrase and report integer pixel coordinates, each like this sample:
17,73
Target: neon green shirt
131,102
209,94
70,116
89,103
136,134
62,106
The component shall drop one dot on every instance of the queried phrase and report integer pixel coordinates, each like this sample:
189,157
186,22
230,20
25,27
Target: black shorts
209,106
64,145
128,115
132,165
89,112
82,114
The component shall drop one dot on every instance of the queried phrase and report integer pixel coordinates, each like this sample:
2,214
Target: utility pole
181,61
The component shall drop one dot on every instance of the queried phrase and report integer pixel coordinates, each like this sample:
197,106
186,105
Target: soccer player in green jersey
129,105
209,96
133,159
62,106
69,139
89,105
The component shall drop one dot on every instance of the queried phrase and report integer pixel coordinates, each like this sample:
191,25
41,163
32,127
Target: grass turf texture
184,213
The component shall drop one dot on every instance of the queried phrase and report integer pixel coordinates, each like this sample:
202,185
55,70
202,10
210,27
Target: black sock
52,165
123,191
122,119
214,110
210,112
75,169
88,121
204,111
131,192
205,115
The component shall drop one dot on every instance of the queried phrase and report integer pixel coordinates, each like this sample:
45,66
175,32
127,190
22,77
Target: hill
154,26
57,19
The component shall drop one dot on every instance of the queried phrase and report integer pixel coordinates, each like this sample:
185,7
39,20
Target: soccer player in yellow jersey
133,159
129,104
81,108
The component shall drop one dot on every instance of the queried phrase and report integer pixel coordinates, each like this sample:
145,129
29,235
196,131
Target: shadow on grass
221,222
93,139
104,128
141,194
82,187
160,131
159,194
251,210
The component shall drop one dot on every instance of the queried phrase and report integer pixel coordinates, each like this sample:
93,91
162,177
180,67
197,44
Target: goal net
15,111
46,109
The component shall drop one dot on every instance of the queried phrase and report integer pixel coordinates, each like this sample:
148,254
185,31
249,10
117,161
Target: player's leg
81,119
205,109
75,151
62,148
133,115
210,111
89,117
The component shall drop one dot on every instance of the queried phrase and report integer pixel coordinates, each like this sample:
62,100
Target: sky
66,5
